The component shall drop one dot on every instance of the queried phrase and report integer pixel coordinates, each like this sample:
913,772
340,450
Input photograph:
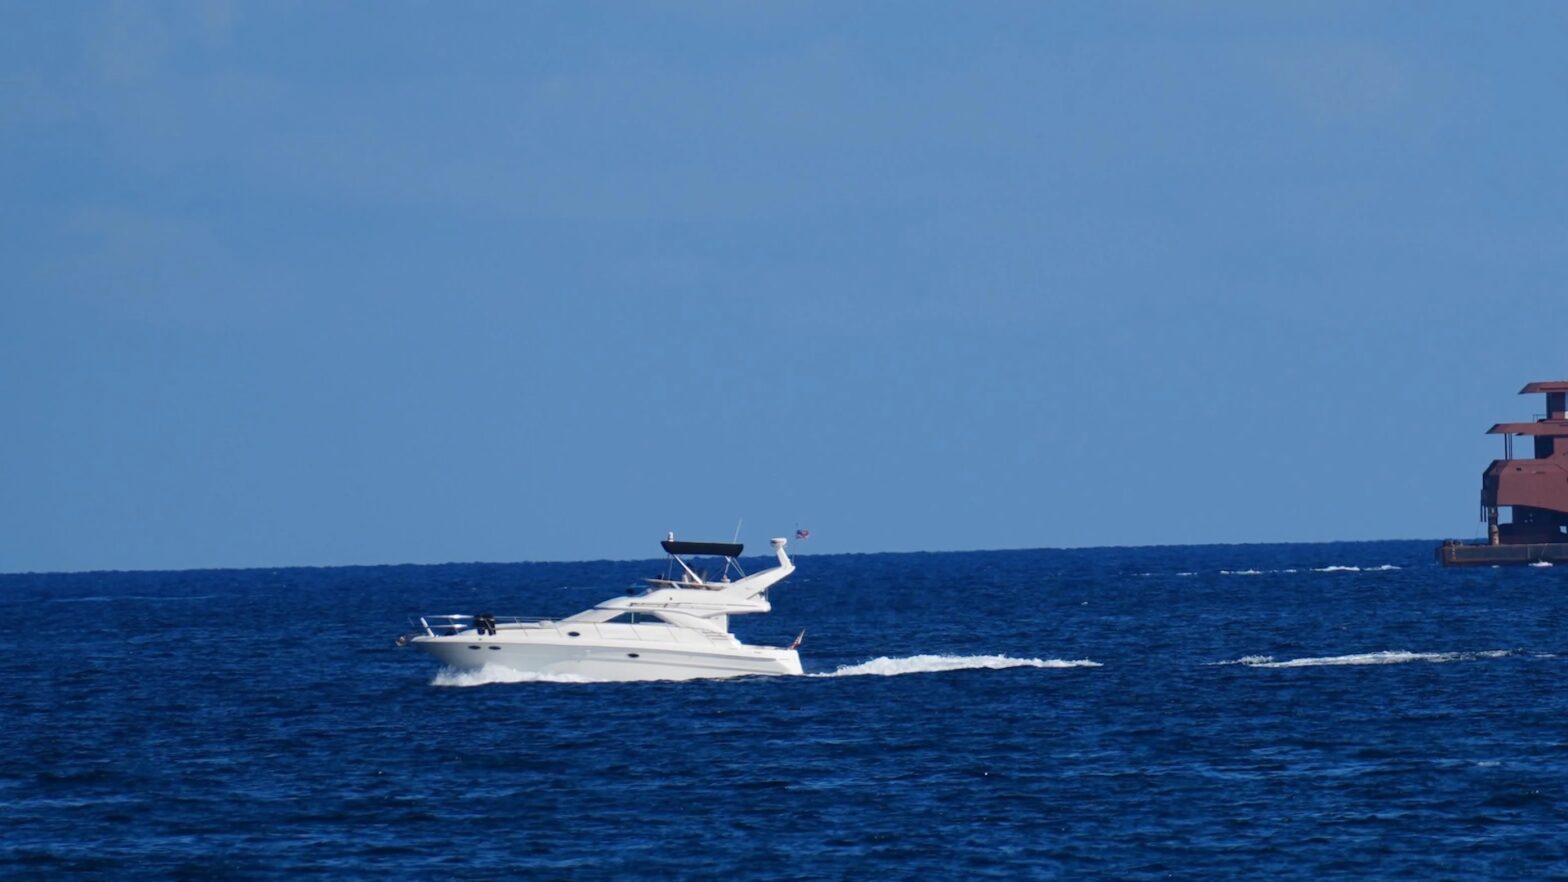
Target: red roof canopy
1545,386
1554,428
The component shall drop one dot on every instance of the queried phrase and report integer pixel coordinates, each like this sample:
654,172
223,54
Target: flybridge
681,575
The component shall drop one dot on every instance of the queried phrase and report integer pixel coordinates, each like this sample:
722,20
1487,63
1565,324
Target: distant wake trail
1395,657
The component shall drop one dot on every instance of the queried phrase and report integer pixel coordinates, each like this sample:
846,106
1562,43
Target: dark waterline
1259,711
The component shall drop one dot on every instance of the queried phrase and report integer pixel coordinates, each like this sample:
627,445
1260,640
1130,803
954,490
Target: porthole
631,655
573,634
495,648
475,647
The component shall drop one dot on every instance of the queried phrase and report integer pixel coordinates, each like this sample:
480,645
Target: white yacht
675,629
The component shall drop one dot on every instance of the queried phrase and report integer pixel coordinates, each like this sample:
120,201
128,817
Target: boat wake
489,674
927,664
1366,658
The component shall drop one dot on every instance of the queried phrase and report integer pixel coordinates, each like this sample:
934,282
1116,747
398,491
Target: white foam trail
498,674
1394,657
925,664
1241,572
1541,563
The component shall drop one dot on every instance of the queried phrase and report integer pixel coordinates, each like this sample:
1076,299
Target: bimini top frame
679,574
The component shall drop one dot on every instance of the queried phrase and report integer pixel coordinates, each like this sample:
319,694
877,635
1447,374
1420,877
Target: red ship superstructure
1534,488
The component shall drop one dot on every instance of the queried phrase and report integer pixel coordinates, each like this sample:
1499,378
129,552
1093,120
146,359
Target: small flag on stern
802,534
798,638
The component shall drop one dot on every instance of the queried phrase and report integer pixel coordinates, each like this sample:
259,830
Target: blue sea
1326,711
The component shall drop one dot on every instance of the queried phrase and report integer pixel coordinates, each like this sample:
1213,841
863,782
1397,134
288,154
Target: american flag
802,534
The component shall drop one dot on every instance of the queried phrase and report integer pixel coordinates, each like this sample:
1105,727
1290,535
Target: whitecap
924,664
1335,568
1241,572
1541,563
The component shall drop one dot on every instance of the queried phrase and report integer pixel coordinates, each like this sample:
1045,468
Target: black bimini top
722,549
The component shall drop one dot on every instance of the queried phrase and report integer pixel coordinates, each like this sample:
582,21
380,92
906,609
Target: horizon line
212,569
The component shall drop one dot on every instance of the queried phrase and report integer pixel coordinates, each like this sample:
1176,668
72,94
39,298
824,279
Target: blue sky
302,283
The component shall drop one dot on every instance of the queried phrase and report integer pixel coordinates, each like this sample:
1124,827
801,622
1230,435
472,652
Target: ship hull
1460,555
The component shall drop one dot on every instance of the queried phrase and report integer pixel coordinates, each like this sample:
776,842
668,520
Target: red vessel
1534,488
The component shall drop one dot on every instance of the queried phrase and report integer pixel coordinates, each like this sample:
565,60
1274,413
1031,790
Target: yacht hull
609,660
675,629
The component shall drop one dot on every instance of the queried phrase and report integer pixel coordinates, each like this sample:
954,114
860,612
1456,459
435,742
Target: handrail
456,623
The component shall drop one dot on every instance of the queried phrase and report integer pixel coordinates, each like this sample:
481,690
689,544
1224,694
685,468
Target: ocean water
1330,711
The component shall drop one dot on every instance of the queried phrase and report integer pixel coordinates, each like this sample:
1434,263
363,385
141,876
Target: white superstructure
676,629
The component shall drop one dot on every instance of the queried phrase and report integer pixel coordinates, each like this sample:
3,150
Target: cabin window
635,618
474,647
632,655
573,634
